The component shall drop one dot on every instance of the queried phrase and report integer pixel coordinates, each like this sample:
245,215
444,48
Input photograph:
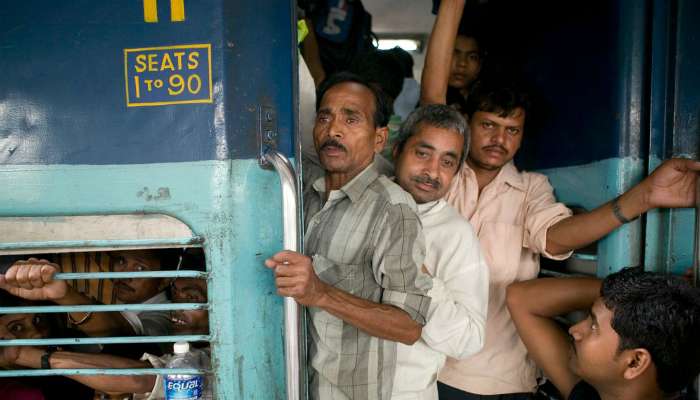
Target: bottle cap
181,347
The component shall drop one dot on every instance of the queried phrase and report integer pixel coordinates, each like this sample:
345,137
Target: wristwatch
45,358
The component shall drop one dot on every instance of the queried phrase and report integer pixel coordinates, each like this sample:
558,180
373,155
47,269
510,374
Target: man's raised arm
671,185
532,304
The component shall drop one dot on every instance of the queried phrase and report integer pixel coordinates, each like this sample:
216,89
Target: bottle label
189,388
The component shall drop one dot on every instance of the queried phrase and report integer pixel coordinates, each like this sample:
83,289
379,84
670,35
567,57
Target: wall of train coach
613,96
155,107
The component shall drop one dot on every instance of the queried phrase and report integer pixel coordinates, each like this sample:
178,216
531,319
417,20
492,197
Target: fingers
287,257
29,275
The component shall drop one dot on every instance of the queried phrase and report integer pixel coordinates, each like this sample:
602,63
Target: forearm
97,323
312,56
583,229
438,59
532,304
30,357
550,297
380,320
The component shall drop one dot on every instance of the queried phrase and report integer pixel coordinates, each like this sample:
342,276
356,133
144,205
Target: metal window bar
101,244
107,308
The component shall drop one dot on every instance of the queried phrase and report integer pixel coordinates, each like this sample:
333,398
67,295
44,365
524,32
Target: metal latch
267,133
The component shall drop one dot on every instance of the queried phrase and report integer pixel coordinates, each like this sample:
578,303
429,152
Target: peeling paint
162,193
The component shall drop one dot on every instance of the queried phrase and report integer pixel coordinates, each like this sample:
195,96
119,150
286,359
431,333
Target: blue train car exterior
619,87
156,107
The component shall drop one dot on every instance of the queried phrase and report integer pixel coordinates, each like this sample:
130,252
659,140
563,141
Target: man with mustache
360,276
186,322
518,220
430,150
32,279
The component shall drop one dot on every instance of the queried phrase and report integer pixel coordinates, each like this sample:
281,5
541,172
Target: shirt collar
357,185
508,174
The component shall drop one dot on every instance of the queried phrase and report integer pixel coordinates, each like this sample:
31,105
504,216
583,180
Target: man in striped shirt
360,276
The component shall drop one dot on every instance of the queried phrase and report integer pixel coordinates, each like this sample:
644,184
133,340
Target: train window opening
67,317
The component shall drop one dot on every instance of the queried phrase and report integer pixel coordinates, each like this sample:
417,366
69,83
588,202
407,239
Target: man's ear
395,151
380,138
638,361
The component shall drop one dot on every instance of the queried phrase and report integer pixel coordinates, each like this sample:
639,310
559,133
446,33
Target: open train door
117,115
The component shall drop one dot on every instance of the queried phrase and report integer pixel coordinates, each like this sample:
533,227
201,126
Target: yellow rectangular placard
156,76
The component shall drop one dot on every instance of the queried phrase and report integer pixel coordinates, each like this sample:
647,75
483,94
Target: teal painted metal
674,125
104,340
592,185
116,275
100,244
233,204
103,308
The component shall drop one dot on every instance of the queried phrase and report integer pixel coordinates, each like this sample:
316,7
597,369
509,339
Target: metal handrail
292,320
126,275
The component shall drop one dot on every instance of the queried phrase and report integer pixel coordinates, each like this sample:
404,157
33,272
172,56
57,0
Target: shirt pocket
502,244
346,277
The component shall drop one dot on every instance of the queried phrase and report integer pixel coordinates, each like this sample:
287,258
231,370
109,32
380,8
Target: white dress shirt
457,316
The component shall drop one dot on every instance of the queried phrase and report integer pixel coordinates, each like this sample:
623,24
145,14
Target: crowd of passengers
422,250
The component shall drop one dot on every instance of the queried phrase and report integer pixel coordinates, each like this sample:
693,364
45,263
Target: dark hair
661,314
500,98
382,108
381,68
436,115
405,59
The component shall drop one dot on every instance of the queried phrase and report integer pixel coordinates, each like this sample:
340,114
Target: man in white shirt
429,152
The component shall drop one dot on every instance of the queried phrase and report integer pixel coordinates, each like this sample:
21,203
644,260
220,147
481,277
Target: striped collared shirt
367,240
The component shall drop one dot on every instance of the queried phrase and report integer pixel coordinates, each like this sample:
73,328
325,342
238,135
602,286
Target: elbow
514,294
143,383
411,335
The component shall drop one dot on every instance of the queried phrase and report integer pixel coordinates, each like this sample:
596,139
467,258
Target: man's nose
431,167
576,331
499,137
335,128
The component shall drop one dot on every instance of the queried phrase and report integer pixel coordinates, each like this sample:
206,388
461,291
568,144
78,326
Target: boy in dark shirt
638,342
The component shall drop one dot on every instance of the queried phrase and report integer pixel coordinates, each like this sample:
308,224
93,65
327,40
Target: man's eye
16,328
448,163
351,121
487,125
421,154
474,57
513,131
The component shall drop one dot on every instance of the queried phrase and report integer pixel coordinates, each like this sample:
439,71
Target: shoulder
392,194
535,180
448,225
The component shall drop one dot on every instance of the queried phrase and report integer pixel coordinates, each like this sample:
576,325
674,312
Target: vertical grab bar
292,311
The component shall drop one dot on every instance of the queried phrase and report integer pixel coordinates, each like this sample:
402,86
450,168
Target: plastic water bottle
183,387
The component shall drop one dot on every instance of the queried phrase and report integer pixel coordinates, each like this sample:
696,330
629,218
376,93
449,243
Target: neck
632,392
336,180
483,176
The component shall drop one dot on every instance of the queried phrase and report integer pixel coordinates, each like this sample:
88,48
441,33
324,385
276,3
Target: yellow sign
156,76
150,10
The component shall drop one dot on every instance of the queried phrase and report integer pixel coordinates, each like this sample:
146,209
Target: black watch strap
46,358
